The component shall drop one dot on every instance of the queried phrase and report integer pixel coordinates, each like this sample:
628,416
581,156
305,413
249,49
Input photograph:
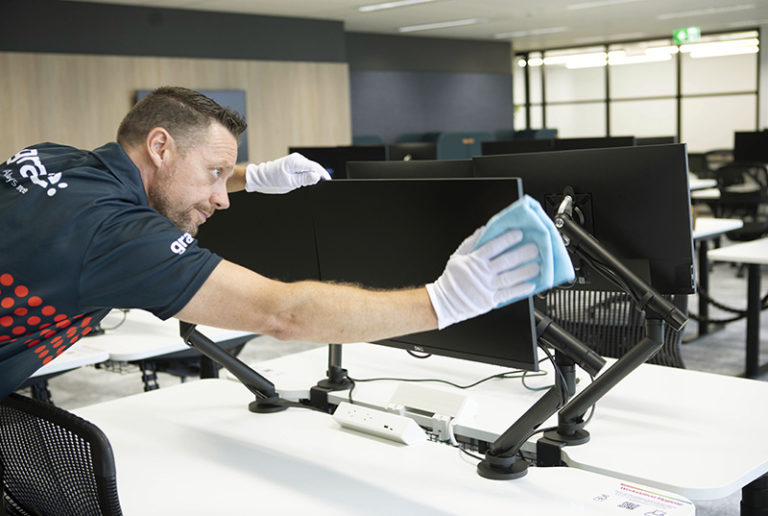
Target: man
88,231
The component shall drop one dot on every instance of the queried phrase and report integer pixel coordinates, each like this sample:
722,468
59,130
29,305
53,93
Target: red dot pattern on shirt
47,333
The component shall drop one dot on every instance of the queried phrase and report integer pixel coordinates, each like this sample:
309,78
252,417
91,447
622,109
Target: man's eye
216,172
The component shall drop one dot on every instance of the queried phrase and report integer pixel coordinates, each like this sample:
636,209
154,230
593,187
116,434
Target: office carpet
721,352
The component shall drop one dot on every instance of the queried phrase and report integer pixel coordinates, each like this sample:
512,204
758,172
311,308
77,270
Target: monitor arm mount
658,311
267,399
503,459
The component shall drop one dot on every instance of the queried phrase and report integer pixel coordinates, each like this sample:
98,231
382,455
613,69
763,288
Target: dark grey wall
92,28
391,103
366,51
401,84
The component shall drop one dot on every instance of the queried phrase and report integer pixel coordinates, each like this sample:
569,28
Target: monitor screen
407,151
593,143
390,234
420,169
749,146
269,234
656,140
634,200
517,146
335,159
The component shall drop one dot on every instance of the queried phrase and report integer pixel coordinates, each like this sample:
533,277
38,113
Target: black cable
504,376
416,355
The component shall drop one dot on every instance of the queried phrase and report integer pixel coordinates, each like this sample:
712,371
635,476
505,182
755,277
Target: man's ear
160,145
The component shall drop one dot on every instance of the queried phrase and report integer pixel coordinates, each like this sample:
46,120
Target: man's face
189,187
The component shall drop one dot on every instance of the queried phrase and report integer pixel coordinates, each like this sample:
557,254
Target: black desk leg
754,497
753,320
704,287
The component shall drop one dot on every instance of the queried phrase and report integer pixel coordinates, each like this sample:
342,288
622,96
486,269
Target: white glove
475,282
283,175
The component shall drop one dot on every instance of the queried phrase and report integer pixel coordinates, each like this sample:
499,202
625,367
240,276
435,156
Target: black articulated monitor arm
503,460
658,311
267,399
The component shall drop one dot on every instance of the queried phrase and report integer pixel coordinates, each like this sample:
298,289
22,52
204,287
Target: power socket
387,425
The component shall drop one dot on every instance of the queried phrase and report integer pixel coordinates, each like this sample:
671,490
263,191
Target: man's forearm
236,298
325,312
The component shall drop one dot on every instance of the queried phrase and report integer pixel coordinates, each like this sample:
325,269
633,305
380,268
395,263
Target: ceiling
529,24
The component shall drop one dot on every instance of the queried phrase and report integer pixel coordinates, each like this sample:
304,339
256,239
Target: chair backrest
743,188
53,462
607,322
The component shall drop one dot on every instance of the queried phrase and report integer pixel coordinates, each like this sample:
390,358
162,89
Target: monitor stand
336,380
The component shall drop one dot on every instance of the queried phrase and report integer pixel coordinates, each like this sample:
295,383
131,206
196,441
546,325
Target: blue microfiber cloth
527,215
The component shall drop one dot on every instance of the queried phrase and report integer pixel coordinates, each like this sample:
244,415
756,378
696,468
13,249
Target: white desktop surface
195,449
696,183
755,252
80,354
708,227
678,430
143,335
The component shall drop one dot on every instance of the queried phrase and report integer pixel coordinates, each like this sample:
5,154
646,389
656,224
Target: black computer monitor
750,146
656,140
517,146
593,143
269,234
392,234
335,159
405,151
420,169
634,200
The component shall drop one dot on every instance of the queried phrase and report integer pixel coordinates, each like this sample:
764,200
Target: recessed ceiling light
599,3
390,5
705,12
530,32
440,25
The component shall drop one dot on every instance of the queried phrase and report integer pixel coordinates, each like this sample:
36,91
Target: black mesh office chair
53,463
607,322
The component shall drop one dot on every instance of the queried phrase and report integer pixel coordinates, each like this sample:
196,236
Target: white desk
81,354
669,428
704,230
755,254
143,336
195,449
695,183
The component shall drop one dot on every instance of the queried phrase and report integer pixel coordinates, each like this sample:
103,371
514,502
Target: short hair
183,112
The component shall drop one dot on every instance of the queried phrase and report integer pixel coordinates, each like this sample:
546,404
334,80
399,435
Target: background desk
704,230
755,254
80,355
145,340
195,449
669,428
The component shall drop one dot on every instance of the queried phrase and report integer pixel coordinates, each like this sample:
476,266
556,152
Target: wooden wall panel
80,100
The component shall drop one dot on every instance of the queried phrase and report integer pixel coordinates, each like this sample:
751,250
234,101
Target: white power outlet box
390,426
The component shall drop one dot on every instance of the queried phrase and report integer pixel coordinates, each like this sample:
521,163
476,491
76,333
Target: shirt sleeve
139,259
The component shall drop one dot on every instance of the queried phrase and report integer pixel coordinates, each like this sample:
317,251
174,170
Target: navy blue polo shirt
78,238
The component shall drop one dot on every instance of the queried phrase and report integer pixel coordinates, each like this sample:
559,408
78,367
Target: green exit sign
686,35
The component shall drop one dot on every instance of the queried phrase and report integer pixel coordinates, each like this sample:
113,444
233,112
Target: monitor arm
658,311
267,399
502,460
